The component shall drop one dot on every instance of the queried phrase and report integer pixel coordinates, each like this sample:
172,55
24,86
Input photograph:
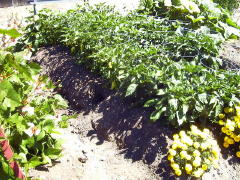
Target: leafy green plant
27,111
157,60
6,171
228,4
196,12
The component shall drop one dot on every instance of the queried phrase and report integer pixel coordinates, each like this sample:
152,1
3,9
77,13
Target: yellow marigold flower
206,131
204,146
215,151
196,153
172,152
238,154
224,129
197,158
175,136
230,141
236,118
182,133
174,146
203,135
178,172
225,144
204,167
170,158
232,135
196,145
193,127
230,110
187,140
177,141
221,122
226,138
226,109
221,116
238,113
237,108
175,166
228,132
188,167
196,163
188,157
198,173
231,128
237,138
207,161
238,124
183,154
184,146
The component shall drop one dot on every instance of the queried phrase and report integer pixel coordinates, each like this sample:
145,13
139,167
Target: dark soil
231,55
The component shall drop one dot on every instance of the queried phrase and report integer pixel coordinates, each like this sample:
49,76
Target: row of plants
166,56
27,113
160,61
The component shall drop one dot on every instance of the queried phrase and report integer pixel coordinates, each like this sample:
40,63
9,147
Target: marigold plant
230,120
193,152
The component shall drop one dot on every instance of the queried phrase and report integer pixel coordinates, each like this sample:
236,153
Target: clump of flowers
230,120
193,152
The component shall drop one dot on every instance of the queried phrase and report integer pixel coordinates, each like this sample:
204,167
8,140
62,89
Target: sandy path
86,157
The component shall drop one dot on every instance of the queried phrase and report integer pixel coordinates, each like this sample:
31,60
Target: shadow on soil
116,120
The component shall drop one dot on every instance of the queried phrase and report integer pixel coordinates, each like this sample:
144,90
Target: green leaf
131,89
10,32
151,102
60,101
9,103
173,103
167,3
34,162
157,114
203,98
53,153
41,135
48,125
160,92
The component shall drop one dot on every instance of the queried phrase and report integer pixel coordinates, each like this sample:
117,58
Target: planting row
166,63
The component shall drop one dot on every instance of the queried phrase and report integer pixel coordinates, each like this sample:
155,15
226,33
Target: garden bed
114,118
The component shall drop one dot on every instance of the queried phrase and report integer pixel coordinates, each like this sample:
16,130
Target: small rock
83,159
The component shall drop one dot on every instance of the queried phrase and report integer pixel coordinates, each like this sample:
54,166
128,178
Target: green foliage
195,12
10,32
157,60
27,112
228,4
6,171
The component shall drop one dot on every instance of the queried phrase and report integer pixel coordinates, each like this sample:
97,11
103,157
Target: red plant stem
8,154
